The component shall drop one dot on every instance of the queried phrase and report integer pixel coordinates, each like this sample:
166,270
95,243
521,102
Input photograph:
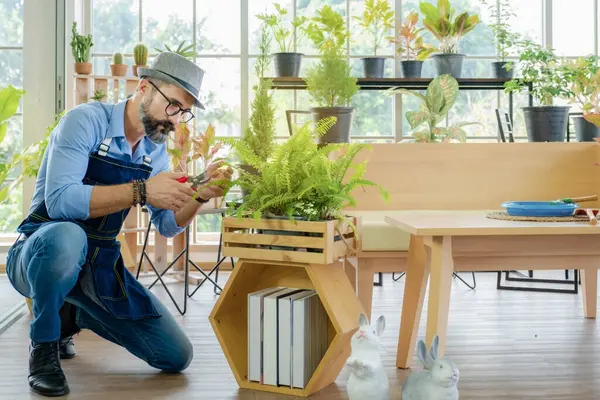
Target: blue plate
539,209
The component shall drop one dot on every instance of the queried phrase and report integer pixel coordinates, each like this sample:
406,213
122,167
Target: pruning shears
196,181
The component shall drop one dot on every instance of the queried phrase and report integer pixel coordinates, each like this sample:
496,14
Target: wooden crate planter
318,242
229,317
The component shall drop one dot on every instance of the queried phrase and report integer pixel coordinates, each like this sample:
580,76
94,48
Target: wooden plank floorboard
508,345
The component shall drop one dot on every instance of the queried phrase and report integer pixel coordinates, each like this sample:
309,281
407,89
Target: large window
11,67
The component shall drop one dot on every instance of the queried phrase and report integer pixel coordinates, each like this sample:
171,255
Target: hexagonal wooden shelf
229,317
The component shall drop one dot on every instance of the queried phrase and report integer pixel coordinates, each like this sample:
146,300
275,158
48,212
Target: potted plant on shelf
118,67
377,20
584,75
287,61
506,40
140,57
329,82
99,95
448,28
80,47
540,69
410,44
436,103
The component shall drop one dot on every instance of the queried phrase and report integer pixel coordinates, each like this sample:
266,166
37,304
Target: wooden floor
508,345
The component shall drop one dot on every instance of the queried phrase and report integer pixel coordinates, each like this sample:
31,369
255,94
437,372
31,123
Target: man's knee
178,357
62,247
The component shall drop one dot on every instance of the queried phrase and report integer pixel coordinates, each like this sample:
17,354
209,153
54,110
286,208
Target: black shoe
66,348
46,376
68,328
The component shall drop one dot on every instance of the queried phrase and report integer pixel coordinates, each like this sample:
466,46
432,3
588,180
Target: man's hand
163,191
218,174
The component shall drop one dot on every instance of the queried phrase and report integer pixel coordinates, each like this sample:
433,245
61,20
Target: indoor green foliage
584,76
409,40
118,58
80,45
300,180
447,27
9,103
283,35
540,67
438,100
506,40
140,54
330,82
377,20
182,50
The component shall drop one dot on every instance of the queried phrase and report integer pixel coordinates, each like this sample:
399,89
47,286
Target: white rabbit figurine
367,380
438,381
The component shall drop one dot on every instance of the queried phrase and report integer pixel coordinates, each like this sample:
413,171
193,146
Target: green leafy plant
438,99
506,40
140,54
584,75
99,95
409,40
9,103
447,27
80,45
377,20
283,35
185,51
330,82
118,58
539,68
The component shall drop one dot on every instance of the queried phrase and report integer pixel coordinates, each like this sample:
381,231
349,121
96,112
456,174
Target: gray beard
156,130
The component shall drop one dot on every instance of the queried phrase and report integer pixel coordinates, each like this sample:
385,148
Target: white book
255,332
270,335
285,335
301,335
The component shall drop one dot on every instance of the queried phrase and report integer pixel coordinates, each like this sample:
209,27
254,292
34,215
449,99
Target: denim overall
105,279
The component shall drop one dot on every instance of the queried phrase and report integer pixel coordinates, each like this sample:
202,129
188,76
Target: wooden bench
465,176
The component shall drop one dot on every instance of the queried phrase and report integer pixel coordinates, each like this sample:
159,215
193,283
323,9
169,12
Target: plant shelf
230,322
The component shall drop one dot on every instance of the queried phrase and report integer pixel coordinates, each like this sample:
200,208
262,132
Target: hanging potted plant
409,43
584,75
329,82
377,20
436,103
448,29
140,57
118,67
80,47
506,40
287,61
539,68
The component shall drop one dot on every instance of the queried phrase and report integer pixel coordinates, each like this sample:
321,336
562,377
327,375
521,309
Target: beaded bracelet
136,197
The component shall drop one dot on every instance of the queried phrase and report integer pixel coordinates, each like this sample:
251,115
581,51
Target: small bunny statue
367,380
438,381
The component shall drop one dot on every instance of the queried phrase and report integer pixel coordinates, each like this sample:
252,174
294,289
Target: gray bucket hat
177,70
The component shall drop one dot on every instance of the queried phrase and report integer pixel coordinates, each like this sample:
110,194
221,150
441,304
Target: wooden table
445,241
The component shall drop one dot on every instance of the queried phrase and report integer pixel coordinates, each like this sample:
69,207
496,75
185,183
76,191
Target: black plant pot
546,123
373,67
340,131
448,64
287,64
585,131
411,68
499,71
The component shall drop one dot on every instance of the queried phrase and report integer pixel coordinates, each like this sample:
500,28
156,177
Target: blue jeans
46,268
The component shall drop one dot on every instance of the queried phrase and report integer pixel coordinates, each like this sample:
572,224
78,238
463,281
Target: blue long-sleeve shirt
77,135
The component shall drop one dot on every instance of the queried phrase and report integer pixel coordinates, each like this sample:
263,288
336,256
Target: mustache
157,130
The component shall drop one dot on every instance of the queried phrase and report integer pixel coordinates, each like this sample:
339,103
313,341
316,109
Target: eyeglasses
173,109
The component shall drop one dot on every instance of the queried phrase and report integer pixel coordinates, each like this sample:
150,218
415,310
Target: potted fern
448,29
377,20
409,43
436,103
80,47
329,82
287,61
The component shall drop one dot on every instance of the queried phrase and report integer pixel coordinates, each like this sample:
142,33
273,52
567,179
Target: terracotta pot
84,68
135,67
118,69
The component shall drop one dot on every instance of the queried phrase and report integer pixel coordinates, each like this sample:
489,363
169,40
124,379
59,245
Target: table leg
441,268
365,272
589,284
417,272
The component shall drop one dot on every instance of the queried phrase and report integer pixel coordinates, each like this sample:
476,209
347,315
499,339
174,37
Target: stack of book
287,336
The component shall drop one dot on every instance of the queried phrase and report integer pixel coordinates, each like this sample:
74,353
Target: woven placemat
505,216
